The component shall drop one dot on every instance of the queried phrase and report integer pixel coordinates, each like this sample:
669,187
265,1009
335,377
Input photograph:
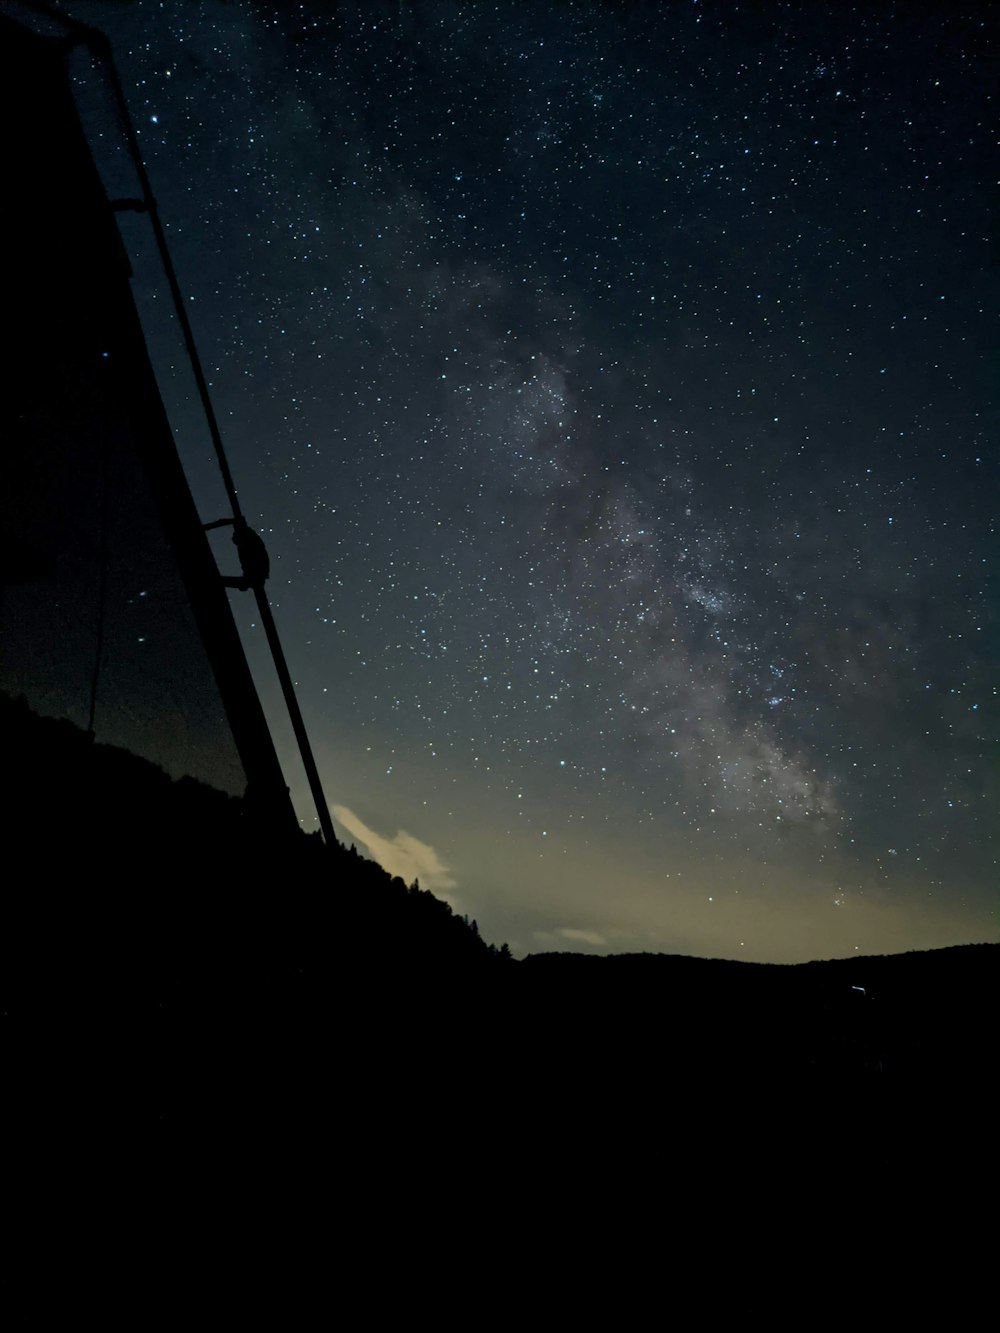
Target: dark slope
167,961
162,904
230,1059
198,991
107,844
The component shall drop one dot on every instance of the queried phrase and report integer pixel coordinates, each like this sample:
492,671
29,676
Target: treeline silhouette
167,941
113,833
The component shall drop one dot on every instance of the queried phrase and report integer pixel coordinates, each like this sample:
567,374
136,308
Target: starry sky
615,388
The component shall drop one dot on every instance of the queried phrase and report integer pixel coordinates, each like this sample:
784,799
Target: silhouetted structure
113,613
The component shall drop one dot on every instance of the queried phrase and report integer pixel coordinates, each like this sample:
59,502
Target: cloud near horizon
402,855
576,935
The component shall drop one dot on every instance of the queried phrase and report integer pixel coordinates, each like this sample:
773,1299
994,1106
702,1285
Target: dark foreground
215,1029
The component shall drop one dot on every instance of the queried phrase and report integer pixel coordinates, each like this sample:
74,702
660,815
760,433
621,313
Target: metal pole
298,726
271,630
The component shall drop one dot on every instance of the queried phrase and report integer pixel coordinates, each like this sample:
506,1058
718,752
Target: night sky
615,388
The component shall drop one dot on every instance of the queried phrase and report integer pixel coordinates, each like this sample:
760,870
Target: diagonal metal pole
103,49
100,47
298,726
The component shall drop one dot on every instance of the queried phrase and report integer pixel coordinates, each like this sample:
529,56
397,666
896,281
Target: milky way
612,387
